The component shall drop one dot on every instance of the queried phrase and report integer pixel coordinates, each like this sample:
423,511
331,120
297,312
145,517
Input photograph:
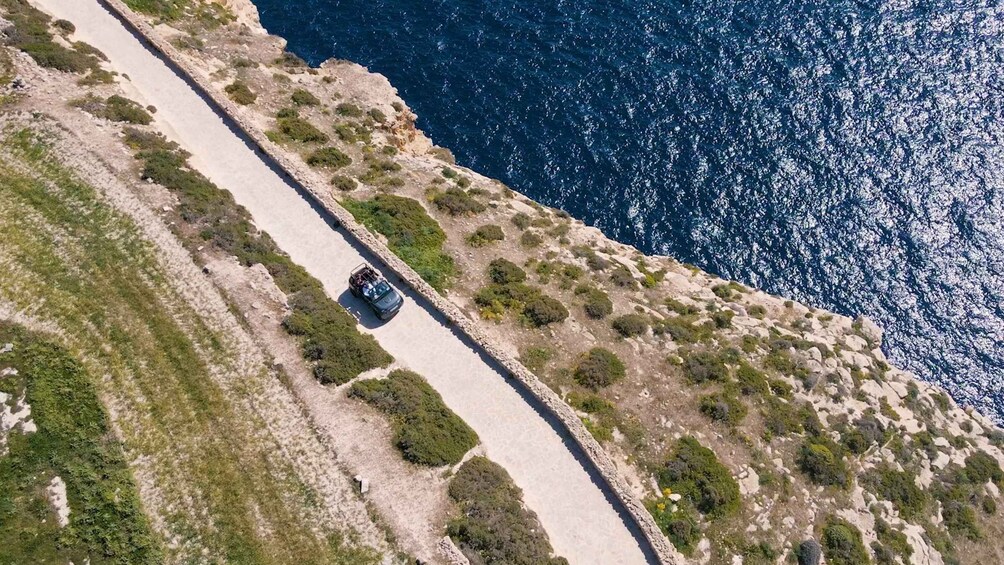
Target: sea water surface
848,154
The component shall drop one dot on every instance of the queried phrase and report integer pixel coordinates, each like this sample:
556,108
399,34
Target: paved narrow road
584,526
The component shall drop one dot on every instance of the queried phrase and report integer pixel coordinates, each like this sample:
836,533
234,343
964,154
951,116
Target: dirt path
583,524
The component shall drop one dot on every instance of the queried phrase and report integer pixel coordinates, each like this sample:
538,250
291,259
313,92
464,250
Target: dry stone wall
595,453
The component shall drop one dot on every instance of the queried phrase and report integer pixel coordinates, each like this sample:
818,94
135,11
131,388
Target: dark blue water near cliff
847,154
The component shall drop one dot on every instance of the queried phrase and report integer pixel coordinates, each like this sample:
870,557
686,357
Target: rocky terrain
753,429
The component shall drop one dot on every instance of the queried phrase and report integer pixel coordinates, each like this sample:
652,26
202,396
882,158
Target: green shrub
121,109
290,60
349,110
892,540
521,220
493,527
288,112
724,408
486,235
530,239
240,92
981,468
681,308
682,329
536,358
425,430
899,488
694,472
598,304
751,381
781,418
842,543
680,527
756,311
630,325
865,432
299,129
344,183
723,318
543,310
823,462
704,366
302,97
456,202
328,157
411,234
809,552
723,291
64,26
622,277
503,271
30,33
377,115
599,368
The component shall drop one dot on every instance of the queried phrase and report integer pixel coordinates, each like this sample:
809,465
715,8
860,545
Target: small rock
363,482
7,348
676,497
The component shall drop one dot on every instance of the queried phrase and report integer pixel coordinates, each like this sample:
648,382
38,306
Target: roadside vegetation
425,430
73,441
328,334
493,527
32,33
411,234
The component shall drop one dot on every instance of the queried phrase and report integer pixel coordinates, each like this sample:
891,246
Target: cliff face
819,435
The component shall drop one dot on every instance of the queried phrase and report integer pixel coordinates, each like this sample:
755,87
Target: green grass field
221,482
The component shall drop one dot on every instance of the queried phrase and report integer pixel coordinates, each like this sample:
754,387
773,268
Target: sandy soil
582,523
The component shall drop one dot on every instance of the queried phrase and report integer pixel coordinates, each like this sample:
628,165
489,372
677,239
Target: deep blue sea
846,154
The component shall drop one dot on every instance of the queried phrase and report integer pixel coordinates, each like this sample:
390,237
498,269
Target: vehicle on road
366,283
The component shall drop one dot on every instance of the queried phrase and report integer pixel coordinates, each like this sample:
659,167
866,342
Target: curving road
583,524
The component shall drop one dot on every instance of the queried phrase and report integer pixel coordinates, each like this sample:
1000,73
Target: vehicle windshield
378,290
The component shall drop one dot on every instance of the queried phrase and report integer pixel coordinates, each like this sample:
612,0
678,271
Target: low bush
899,488
521,220
822,461
530,239
411,234
456,202
240,92
30,33
681,308
704,366
344,183
503,271
722,318
289,60
842,543
865,432
781,418
630,325
544,310
622,277
679,525
302,97
349,110
599,368
892,540
694,472
981,468
809,552
683,329
494,528
756,311
377,115
115,108
486,235
751,381
299,129
724,408
425,430
598,304
328,157
536,358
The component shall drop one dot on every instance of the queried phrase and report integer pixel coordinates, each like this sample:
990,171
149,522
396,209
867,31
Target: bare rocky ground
832,363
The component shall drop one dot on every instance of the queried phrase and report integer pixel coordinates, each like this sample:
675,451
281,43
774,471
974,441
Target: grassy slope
71,261
73,442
